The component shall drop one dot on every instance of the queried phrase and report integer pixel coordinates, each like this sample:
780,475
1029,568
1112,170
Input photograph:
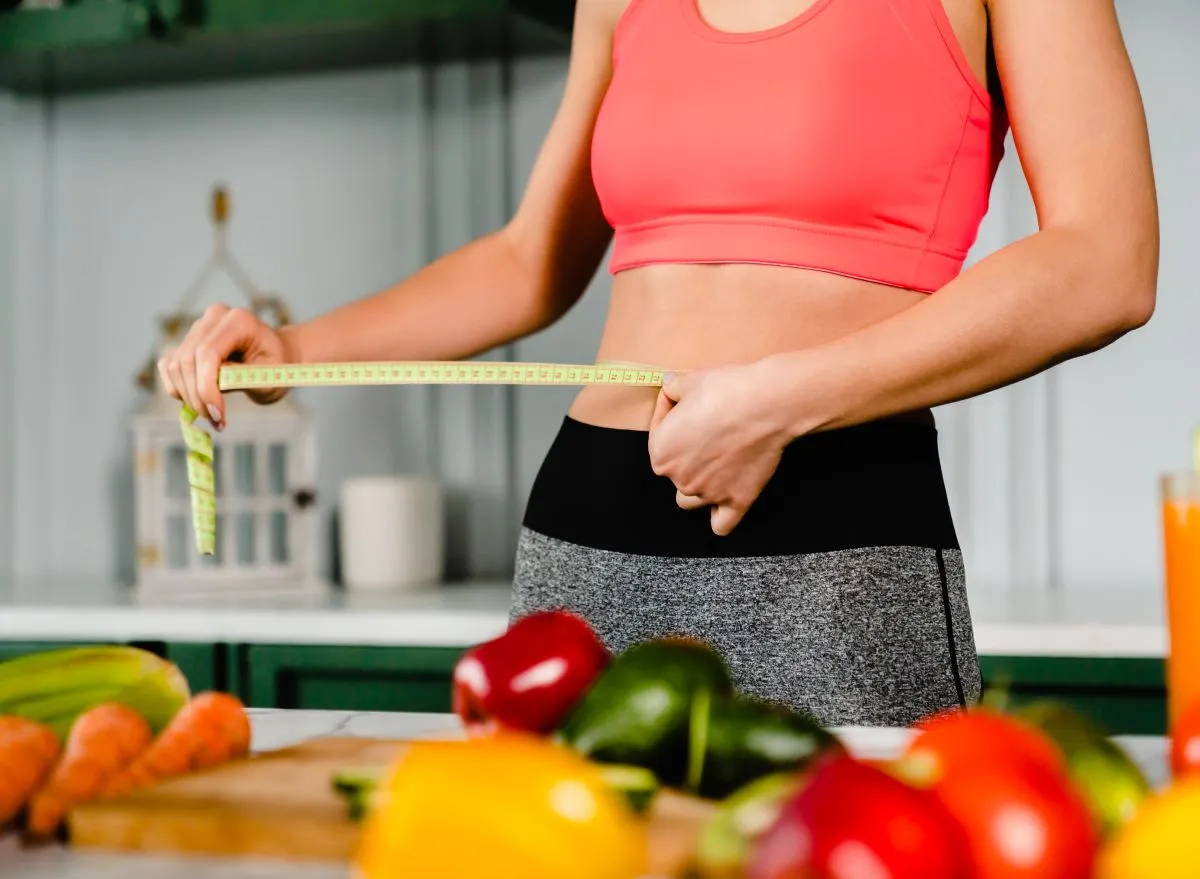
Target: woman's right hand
189,373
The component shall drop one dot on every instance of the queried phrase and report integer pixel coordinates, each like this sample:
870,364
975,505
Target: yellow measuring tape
235,377
239,377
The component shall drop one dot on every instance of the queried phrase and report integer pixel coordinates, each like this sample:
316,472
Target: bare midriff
682,317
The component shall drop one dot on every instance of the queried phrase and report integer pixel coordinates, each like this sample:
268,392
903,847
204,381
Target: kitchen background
344,182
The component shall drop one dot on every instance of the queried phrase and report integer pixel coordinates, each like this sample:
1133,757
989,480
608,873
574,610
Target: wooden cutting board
281,804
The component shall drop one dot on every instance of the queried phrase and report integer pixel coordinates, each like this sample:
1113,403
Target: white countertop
1084,623
277,729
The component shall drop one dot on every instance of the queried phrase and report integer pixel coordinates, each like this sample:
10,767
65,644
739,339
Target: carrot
28,752
102,742
212,728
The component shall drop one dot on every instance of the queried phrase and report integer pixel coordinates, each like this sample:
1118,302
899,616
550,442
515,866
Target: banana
54,687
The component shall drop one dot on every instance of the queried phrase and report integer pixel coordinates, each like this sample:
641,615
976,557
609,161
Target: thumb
666,401
675,385
662,406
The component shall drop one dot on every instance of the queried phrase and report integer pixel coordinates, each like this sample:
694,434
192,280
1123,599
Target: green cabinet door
1125,696
345,678
200,664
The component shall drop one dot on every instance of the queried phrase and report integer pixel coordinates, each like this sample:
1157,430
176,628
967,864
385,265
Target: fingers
185,373
689,501
725,518
235,331
165,378
189,373
178,367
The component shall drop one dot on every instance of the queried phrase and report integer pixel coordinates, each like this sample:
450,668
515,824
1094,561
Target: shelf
107,44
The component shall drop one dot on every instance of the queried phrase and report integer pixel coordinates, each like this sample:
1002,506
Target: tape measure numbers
239,377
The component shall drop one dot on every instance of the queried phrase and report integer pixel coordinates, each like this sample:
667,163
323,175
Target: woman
794,185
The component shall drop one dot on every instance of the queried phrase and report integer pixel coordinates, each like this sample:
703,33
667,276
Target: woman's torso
689,315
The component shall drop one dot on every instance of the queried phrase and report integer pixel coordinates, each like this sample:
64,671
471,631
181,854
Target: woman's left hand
718,435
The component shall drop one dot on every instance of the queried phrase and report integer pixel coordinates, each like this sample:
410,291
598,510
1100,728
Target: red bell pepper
529,678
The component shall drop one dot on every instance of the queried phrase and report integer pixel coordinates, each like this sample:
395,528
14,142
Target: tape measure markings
240,377
236,377
200,473
201,481
199,443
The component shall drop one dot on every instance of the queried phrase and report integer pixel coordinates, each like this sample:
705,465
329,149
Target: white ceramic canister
391,532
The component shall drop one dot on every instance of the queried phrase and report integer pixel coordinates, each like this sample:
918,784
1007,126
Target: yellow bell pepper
512,806
1161,841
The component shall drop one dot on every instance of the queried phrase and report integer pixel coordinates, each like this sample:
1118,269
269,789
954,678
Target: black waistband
877,484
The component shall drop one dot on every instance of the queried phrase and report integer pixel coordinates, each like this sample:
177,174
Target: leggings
841,593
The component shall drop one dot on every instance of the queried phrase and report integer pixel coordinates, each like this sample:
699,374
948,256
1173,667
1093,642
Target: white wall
1127,413
8,231
1056,479
342,184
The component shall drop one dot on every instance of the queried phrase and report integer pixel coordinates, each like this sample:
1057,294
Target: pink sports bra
853,139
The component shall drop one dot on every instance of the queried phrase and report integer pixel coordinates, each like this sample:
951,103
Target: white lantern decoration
264,463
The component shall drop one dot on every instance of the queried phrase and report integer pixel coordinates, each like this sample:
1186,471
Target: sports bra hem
913,266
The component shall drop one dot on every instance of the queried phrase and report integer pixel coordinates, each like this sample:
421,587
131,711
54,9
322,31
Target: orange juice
1181,542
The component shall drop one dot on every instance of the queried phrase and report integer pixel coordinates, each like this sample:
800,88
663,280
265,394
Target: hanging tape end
199,458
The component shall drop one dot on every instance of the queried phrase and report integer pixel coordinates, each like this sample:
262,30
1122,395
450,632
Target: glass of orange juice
1180,497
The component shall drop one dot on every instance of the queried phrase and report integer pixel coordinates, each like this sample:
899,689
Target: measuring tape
239,377
236,377
201,481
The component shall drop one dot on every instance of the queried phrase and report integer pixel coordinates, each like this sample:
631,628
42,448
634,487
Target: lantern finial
220,205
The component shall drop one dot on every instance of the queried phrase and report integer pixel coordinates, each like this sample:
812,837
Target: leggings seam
958,686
